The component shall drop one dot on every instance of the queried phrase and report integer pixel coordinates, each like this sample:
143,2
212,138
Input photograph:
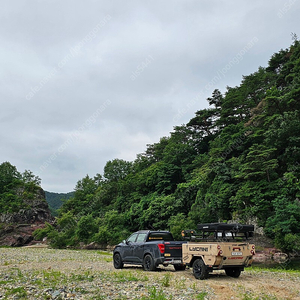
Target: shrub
40,233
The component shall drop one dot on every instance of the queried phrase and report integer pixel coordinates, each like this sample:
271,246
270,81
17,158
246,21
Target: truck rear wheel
148,263
233,272
200,270
118,264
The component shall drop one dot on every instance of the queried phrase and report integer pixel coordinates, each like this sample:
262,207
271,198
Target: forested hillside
56,200
238,159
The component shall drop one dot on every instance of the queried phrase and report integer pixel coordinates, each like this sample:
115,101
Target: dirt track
29,273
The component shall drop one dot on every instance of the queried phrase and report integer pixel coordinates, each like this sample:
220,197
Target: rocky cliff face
16,228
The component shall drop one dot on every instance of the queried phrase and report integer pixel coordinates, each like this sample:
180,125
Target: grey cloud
155,61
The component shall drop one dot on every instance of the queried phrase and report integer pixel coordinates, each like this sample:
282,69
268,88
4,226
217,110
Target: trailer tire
200,270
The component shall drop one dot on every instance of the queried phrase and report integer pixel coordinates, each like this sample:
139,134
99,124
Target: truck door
128,248
138,248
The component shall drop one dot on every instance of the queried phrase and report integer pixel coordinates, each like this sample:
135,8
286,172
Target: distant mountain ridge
56,200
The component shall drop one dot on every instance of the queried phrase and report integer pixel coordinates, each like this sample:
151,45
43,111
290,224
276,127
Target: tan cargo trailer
218,246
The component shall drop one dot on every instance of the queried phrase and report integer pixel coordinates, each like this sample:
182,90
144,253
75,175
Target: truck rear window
160,236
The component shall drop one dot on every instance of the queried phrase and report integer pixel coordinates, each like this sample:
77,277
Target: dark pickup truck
149,249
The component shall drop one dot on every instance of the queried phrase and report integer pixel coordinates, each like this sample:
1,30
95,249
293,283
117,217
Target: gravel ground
40,273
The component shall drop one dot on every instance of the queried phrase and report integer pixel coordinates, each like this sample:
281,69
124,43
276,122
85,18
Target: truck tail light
161,248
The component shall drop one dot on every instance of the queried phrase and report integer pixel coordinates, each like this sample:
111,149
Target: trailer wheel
200,270
148,263
233,272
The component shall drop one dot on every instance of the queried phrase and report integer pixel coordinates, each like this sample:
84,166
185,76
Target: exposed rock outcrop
16,228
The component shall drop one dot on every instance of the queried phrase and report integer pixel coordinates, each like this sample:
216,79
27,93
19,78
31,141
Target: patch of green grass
124,276
267,297
37,281
201,295
53,278
104,253
166,280
19,292
193,286
52,275
277,269
248,295
98,297
181,283
16,273
82,277
108,259
155,295
81,290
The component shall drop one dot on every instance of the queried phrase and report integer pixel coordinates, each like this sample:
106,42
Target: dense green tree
179,222
260,162
117,169
30,178
204,123
86,228
84,196
15,187
9,175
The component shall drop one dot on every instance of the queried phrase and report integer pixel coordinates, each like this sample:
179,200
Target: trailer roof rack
219,232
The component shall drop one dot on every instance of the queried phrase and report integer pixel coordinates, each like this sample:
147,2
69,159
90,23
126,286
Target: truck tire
233,272
200,270
118,264
148,263
179,267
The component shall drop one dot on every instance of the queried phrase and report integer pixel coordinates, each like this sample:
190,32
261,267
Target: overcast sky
85,82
